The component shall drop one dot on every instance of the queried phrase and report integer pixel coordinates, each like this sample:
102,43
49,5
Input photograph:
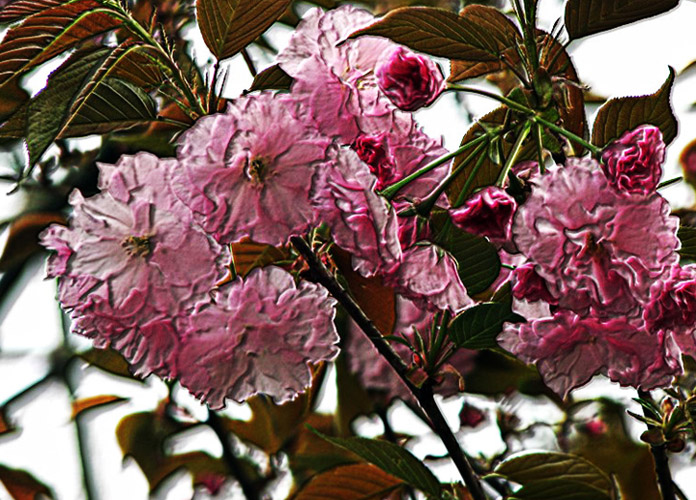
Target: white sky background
628,61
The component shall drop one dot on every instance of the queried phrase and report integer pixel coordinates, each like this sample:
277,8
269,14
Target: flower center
255,170
137,246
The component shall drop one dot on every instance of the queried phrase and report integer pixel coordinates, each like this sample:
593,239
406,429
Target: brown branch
424,394
659,453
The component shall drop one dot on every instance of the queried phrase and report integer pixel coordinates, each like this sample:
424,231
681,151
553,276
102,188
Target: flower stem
512,157
664,477
427,205
669,182
390,191
424,394
532,115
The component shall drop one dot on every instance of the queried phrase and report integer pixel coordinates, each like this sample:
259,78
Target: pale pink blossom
569,349
597,249
409,80
487,213
258,337
428,275
129,267
260,189
633,162
673,307
334,78
360,221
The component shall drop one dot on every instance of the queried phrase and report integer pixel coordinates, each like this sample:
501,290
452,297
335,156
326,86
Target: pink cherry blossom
633,163
269,162
258,336
673,307
569,349
487,213
129,267
409,80
333,81
428,275
360,221
597,249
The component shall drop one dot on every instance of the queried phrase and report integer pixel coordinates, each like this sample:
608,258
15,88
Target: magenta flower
569,349
260,189
633,163
374,150
409,80
259,337
487,213
360,221
131,263
428,276
597,249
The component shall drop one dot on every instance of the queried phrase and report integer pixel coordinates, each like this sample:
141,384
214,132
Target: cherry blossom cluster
141,264
598,277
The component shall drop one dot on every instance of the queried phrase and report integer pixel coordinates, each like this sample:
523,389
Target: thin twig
249,62
423,394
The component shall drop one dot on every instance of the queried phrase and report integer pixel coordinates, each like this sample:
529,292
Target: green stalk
512,157
390,191
427,205
469,181
532,114
183,85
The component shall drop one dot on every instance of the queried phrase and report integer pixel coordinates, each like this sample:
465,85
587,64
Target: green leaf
481,37
500,30
626,113
228,26
559,489
215,20
80,99
21,485
687,237
392,459
525,468
477,259
349,482
272,78
50,32
587,17
495,373
478,326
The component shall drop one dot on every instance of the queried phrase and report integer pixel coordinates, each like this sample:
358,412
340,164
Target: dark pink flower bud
487,213
633,163
409,80
470,416
374,150
529,286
